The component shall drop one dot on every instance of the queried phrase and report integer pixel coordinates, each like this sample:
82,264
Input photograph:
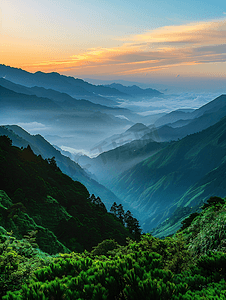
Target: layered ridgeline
189,265
75,87
126,150
178,124
12,93
184,173
20,103
40,146
37,196
122,151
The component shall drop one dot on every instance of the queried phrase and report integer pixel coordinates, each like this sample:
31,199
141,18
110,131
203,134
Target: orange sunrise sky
132,40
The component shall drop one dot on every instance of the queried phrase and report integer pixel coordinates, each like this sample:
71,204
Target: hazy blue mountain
187,114
12,100
63,99
212,106
40,146
111,163
82,121
204,117
156,186
135,90
77,88
174,116
134,132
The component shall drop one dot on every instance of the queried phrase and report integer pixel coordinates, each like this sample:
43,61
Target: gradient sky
170,42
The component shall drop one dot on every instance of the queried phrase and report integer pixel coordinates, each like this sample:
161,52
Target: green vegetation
149,269
183,174
58,242
38,196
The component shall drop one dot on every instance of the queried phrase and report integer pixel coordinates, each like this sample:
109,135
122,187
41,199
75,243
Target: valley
112,150
151,164
97,177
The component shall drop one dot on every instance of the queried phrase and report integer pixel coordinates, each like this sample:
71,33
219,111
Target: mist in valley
110,130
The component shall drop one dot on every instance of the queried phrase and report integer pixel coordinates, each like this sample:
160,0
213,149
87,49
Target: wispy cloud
154,50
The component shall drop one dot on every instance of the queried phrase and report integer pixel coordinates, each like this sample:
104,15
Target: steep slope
111,163
174,116
41,194
154,186
210,107
192,122
40,146
205,231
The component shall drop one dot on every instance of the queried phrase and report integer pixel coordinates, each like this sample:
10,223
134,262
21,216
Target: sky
180,43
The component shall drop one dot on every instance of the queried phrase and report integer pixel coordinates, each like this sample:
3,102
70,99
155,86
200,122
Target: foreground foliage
149,269
189,265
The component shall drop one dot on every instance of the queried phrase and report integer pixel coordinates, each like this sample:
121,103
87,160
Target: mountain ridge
163,179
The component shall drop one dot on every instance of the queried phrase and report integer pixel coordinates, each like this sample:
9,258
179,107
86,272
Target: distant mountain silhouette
134,90
135,132
198,120
62,99
12,100
174,116
77,88
180,114
138,127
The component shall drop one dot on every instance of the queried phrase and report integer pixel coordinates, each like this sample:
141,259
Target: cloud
33,127
75,151
150,52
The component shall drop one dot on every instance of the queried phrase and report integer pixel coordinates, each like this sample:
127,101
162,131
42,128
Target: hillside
110,164
40,146
180,114
189,265
38,196
176,125
156,186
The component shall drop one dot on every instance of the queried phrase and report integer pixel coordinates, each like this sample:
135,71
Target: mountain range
154,170
36,196
182,174
178,124
75,87
135,90
40,146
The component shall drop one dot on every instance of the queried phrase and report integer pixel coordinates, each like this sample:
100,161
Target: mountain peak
137,127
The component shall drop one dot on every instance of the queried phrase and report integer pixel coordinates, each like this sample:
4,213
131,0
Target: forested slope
42,198
187,266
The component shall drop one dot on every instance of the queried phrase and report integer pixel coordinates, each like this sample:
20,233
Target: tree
121,213
53,164
114,208
132,224
97,201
